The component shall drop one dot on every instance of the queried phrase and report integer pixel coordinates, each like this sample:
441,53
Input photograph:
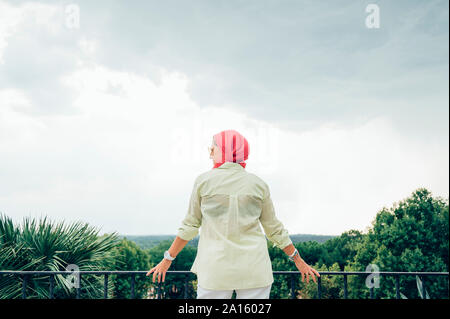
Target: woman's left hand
160,269
305,269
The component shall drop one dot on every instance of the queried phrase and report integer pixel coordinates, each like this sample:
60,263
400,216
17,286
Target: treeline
149,241
412,235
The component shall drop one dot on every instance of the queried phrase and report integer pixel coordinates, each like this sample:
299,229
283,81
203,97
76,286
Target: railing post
105,287
159,290
345,286
292,286
24,286
319,287
52,280
132,286
397,286
185,286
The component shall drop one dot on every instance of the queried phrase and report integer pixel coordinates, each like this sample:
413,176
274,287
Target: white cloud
9,19
14,18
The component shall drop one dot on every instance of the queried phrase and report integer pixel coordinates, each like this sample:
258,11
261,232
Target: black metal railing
132,274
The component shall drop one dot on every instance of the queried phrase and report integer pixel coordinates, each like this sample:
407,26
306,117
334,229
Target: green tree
342,249
413,235
129,256
312,252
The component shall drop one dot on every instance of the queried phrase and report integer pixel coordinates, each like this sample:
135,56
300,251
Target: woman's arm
177,246
273,227
289,249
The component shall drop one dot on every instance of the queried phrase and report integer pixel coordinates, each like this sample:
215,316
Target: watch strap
167,255
291,257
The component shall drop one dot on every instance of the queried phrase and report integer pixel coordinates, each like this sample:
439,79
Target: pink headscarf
234,147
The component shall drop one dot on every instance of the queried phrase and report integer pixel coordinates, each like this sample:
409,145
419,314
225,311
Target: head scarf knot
234,147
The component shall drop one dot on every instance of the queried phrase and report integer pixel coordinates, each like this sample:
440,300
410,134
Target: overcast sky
107,107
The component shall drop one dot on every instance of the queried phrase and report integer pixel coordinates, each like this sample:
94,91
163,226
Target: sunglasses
211,148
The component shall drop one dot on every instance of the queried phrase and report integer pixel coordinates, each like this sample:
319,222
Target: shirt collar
231,165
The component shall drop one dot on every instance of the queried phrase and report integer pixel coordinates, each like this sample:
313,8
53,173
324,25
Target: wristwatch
291,257
167,255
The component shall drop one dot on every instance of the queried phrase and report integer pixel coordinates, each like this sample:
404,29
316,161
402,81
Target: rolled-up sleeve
273,228
191,223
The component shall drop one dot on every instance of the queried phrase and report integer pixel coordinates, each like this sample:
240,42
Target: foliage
129,256
41,245
342,249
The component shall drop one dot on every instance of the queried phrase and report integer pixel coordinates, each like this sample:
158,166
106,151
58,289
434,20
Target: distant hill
148,241
298,238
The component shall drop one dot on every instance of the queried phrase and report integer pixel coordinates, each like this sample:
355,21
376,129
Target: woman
229,204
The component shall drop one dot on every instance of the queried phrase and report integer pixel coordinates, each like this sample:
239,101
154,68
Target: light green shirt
228,204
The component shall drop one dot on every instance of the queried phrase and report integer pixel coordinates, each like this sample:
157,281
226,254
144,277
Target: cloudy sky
107,107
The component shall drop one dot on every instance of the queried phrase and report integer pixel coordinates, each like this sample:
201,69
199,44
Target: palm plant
42,245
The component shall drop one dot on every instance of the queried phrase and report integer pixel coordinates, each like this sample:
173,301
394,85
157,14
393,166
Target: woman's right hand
305,269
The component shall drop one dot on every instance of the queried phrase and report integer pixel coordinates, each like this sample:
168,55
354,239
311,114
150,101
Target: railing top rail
387,273
137,272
